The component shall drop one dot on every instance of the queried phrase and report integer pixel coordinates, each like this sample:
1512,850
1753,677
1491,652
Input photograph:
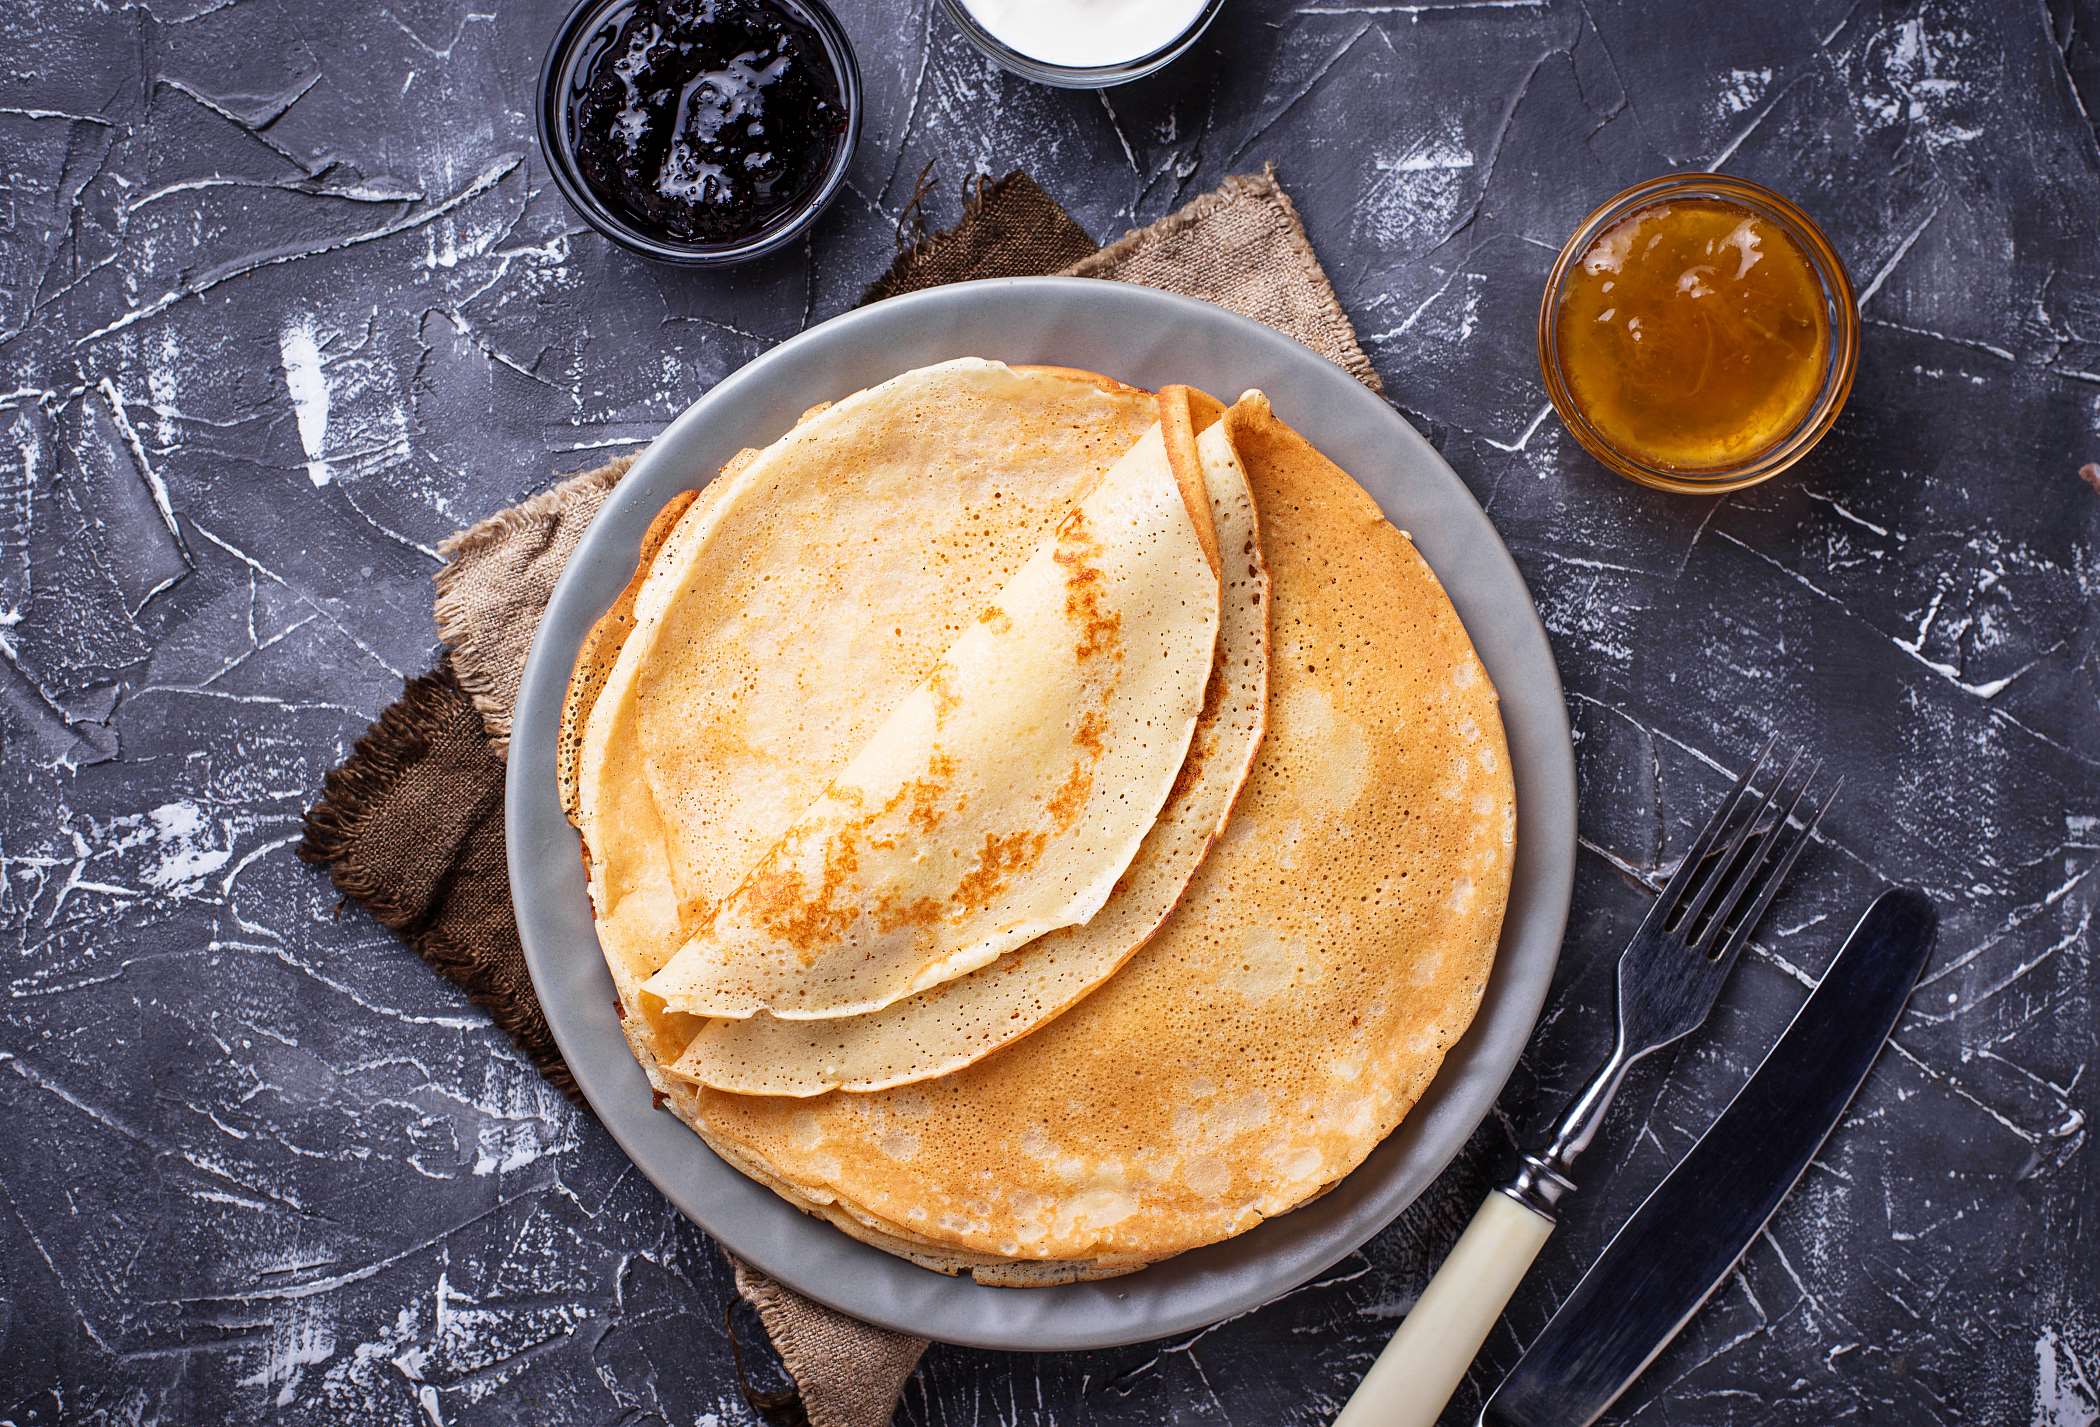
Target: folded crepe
1007,793
950,1026
775,620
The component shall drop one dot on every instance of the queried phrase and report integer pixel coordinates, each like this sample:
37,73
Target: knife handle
1415,1376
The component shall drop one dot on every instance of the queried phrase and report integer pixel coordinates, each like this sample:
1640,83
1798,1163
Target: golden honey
1693,334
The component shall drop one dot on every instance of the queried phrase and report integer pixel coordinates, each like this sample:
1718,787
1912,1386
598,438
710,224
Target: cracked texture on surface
286,297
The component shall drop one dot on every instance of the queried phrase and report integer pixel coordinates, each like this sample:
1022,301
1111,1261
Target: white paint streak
137,448
308,385
301,1336
2063,1395
1902,251
1538,419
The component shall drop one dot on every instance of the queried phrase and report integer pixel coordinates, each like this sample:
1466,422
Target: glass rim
1839,302
1070,76
558,152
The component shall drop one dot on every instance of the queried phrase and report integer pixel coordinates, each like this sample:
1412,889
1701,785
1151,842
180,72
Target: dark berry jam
705,121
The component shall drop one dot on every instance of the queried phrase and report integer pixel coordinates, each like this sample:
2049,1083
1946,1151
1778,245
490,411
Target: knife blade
1689,1234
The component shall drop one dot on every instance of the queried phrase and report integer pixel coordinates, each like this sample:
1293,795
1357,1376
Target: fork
1668,978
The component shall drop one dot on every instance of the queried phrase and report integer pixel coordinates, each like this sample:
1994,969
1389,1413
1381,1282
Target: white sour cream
1085,34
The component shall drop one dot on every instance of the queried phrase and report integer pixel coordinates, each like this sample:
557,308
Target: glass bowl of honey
1698,333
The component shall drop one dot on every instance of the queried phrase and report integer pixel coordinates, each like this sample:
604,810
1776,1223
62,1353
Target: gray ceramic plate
1151,339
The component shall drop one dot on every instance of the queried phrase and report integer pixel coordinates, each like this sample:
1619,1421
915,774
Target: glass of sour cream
1083,44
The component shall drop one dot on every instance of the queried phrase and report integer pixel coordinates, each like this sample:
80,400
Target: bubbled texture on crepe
895,1239
1007,793
1329,951
912,502
944,1029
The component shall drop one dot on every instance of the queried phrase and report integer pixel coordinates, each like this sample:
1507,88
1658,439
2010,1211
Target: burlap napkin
411,826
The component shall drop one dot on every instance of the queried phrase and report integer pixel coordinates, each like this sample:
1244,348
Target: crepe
942,1030
1328,952
708,690
1006,794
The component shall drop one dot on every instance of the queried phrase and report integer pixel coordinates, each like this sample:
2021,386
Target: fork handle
1415,1376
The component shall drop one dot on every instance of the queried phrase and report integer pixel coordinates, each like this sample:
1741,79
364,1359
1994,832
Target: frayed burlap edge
384,755
886,1358
528,1029
919,265
380,758
1261,186
474,666
929,248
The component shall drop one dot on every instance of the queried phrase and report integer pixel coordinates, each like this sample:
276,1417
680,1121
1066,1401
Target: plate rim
1205,1285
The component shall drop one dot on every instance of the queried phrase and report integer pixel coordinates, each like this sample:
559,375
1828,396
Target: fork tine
1751,871
1688,867
1724,865
1781,867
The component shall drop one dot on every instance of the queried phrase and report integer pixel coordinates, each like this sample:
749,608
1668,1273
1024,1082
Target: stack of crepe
1037,824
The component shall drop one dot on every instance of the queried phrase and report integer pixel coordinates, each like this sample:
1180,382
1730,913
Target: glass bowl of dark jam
702,132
